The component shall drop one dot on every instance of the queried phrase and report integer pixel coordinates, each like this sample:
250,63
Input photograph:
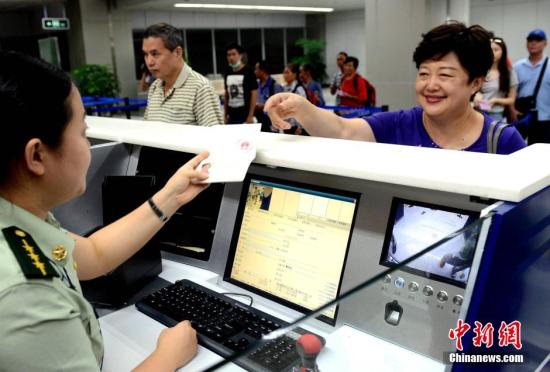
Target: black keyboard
224,325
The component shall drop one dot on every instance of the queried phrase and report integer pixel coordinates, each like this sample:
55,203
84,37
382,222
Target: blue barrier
98,105
354,112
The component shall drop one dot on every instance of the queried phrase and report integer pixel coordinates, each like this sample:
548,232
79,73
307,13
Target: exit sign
55,23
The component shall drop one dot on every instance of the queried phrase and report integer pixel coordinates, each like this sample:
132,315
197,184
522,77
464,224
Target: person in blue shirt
452,62
267,86
528,71
314,90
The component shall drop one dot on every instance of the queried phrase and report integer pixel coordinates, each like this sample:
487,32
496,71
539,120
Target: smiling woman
452,62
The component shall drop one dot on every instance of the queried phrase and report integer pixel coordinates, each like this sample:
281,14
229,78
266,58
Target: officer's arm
107,248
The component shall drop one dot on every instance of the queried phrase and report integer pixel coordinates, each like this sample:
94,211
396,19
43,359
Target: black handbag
529,103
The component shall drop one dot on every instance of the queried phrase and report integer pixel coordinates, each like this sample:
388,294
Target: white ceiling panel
169,4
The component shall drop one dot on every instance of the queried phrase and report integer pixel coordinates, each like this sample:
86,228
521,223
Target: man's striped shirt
190,101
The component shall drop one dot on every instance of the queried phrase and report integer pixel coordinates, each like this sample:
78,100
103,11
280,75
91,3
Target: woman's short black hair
33,104
169,34
472,45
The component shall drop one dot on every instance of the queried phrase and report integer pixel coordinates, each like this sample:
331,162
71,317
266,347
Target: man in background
353,88
178,95
313,88
337,77
241,88
528,70
267,86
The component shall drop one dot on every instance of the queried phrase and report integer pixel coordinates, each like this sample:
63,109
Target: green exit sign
55,23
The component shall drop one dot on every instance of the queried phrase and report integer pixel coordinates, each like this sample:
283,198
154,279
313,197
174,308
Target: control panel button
387,278
399,282
457,300
393,313
442,296
428,291
413,286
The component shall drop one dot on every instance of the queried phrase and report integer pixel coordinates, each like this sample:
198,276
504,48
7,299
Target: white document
232,149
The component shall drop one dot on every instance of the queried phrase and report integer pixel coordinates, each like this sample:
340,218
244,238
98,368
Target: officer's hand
182,184
178,344
282,106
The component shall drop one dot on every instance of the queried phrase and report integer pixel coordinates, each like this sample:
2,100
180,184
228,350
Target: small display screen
291,242
414,226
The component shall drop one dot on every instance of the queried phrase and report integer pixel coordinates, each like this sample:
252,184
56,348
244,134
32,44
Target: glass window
274,49
223,38
138,53
200,51
292,51
251,41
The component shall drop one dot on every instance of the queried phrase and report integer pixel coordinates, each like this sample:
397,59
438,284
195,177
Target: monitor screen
414,226
291,241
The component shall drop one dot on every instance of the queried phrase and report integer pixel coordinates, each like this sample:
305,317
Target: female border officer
45,322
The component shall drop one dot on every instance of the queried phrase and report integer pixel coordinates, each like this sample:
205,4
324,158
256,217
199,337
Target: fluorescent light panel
255,7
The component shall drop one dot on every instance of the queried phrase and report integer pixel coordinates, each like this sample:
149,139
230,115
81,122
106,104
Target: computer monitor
291,241
414,226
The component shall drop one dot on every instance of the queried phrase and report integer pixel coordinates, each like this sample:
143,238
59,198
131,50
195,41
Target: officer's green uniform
45,322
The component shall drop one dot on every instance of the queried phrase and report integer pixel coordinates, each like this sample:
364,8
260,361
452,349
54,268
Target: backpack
371,91
493,135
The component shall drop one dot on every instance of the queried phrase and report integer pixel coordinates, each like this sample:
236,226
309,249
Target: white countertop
503,177
130,336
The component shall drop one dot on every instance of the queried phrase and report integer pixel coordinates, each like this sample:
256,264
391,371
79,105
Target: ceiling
168,5
7,5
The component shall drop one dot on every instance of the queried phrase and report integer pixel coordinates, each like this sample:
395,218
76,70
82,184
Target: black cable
240,294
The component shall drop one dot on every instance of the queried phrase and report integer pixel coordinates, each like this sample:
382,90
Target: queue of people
44,160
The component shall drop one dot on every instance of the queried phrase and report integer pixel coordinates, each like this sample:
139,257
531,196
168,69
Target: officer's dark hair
472,45
235,46
343,54
33,104
353,60
170,35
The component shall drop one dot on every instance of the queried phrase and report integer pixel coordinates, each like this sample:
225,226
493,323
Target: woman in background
500,86
293,85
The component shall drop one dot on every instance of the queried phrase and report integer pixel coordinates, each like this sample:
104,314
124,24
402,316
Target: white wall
190,19
345,31
97,43
512,20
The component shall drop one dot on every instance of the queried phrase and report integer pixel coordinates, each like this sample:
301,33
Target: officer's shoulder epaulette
33,262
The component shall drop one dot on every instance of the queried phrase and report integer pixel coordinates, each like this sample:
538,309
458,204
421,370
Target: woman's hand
283,106
183,185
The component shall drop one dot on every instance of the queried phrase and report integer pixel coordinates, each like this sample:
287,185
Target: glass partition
398,316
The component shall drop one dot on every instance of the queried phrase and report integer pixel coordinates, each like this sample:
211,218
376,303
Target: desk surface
130,336
512,177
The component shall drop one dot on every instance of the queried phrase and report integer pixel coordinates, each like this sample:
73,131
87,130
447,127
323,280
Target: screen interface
413,226
291,241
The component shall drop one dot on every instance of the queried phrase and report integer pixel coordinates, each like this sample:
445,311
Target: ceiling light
255,7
